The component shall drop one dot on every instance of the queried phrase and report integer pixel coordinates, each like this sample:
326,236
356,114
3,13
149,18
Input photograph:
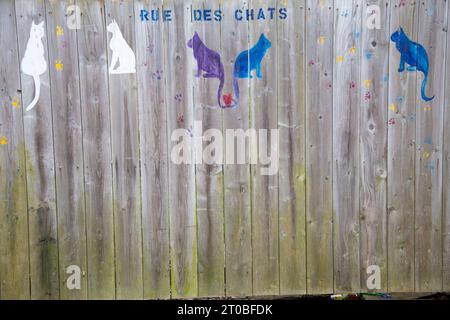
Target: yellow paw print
59,31
393,107
59,65
15,103
367,83
427,108
3,140
339,59
321,40
352,50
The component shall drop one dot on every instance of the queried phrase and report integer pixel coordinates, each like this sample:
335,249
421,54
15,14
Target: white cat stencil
33,62
121,52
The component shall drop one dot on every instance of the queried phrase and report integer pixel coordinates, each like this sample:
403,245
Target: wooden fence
86,177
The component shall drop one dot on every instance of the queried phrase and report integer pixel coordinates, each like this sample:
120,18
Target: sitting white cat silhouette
33,62
121,52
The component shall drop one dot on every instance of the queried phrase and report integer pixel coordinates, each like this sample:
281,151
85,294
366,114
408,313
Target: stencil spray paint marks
34,63
413,54
122,54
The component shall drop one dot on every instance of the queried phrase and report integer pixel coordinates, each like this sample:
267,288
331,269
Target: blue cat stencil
414,54
250,60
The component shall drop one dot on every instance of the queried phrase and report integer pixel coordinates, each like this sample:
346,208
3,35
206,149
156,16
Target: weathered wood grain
40,165
446,173
180,115
401,155
346,170
291,123
264,116
209,176
237,202
94,97
429,137
125,153
373,140
319,116
14,263
152,75
68,148
88,177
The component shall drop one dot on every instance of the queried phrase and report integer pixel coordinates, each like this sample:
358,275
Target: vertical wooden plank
14,263
179,92
152,73
238,242
93,65
44,267
373,140
319,111
401,155
264,116
125,153
446,173
428,218
291,123
346,113
65,95
209,177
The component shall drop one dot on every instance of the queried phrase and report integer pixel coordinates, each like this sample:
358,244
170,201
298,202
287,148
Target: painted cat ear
32,23
41,24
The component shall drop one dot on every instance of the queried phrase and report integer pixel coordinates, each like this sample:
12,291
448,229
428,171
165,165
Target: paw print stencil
157,74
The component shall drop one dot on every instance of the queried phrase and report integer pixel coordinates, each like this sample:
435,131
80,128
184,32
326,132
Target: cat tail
236,90
220,90
424,86
37,89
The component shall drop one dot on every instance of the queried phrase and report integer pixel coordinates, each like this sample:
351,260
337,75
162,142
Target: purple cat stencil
209,62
